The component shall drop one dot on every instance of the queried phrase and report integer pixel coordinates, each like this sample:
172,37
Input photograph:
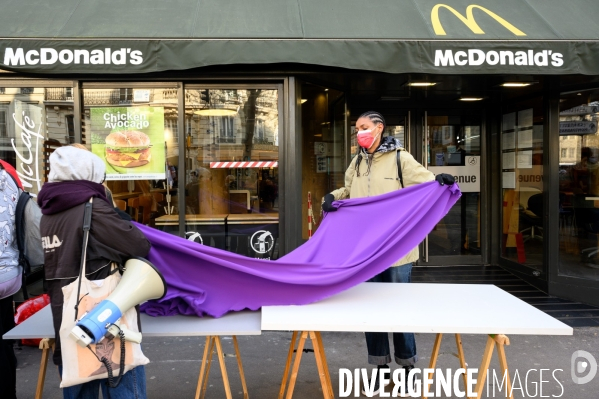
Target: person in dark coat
75,176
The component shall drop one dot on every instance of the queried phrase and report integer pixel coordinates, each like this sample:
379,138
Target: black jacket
111,239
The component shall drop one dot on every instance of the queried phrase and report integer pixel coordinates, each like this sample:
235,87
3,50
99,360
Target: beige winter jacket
383,178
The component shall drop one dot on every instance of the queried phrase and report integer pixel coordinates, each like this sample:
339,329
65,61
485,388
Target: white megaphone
141,281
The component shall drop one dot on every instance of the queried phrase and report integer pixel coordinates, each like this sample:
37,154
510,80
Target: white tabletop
238,323
421,308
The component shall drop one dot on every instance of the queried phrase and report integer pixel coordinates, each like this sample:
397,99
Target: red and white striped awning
254,164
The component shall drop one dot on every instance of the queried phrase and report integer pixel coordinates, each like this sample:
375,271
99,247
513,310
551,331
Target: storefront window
323,149
453,147
579,185
232,175
34,121
522,184
135,131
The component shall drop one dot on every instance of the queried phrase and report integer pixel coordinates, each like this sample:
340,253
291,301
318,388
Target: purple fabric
360,240
60,196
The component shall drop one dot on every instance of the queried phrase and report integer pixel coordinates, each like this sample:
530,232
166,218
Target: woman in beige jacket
375,171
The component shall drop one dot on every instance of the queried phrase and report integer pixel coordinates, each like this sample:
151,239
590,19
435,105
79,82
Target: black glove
444,178
327,205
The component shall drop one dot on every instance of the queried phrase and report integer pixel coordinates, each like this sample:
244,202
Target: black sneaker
405,387
377,388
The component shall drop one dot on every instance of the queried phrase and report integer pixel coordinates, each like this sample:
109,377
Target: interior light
304,100
216,110
516,84
394,98
421,84
471,98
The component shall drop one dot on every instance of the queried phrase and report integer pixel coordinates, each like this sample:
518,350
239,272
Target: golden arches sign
469,20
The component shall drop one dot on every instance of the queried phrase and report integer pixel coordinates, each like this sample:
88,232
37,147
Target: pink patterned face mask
365,138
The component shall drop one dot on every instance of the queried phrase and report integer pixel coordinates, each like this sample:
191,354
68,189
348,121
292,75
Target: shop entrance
451,143
324,156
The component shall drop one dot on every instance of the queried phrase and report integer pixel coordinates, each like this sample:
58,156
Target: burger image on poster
128,148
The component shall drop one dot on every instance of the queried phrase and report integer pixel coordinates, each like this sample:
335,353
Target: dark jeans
8,360
132,386
404,344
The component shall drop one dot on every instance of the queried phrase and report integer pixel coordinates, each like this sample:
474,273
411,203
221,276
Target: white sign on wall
467,176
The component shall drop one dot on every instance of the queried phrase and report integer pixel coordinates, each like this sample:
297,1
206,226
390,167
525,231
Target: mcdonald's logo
469,20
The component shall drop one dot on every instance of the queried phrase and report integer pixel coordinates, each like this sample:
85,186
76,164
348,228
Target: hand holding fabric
327,205
444,178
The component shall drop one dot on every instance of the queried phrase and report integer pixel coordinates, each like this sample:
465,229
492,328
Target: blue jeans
404,344
132,386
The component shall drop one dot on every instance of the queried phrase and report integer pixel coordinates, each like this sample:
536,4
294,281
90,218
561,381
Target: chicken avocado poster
130,140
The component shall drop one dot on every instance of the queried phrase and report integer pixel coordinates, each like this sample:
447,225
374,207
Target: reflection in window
453,139
231,176
323,147
70,129
579,185
125,96
3,129
522,183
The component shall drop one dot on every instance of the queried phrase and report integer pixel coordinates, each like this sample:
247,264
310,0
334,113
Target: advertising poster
130,140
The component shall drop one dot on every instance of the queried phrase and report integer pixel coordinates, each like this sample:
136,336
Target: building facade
256,120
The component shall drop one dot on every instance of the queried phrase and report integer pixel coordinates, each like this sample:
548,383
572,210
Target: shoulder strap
87,221
399,174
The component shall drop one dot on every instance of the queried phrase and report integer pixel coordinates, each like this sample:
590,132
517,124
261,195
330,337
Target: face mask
365,138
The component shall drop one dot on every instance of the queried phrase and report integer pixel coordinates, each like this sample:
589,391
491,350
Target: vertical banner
28,144
131,141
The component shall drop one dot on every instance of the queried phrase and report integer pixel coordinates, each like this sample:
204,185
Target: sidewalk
175,364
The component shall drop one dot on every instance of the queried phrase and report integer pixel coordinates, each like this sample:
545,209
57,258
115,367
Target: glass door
579,186
324,149
452,144
522,187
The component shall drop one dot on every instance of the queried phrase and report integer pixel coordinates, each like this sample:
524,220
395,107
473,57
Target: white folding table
419,308
239,323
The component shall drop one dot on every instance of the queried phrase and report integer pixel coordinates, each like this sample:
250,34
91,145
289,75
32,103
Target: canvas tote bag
80,365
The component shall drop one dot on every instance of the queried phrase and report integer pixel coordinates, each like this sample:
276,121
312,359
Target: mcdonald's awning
397,36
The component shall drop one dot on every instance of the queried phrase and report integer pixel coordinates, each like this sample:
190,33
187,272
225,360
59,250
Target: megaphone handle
131,336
